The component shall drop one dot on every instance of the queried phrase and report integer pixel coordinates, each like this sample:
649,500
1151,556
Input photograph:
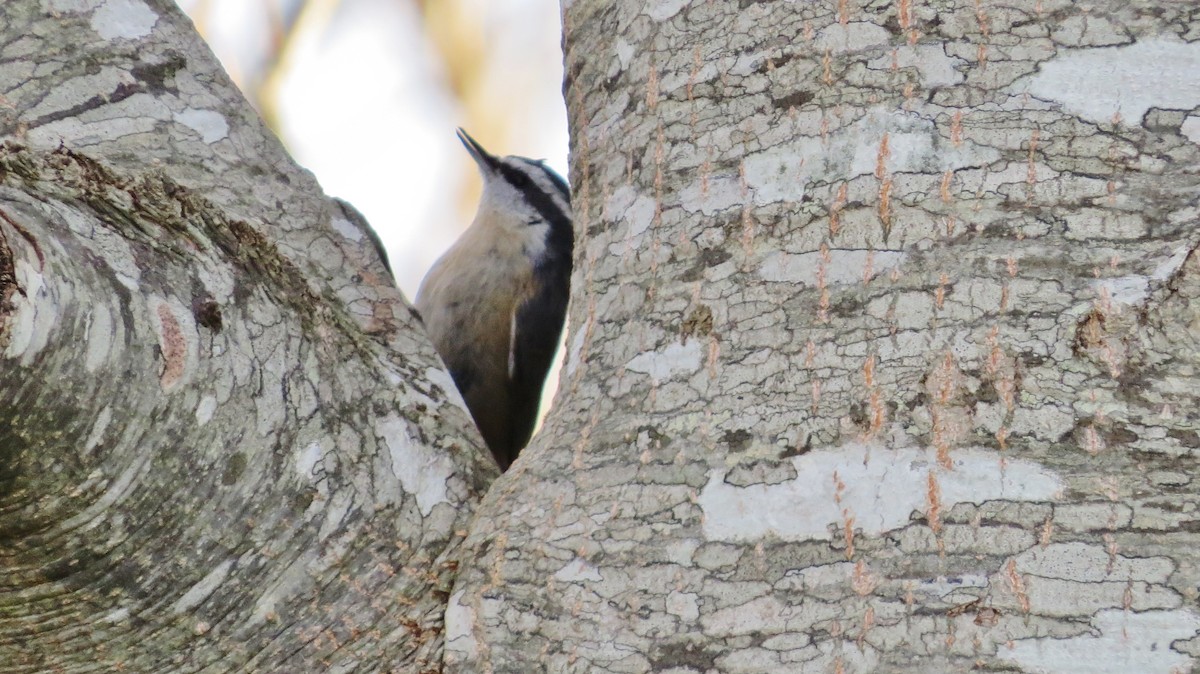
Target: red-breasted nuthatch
495,302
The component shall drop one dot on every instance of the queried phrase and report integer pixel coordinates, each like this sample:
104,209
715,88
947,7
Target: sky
363,103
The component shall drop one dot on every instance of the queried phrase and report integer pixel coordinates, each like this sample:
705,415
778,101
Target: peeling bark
883,351
225,444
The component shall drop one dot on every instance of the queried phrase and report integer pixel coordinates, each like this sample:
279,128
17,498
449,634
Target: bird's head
522,195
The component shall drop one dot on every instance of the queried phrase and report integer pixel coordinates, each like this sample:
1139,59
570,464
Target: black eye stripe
561,230
556,180
542,202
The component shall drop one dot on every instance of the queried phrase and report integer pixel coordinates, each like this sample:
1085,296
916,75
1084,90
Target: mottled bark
883,352
225,444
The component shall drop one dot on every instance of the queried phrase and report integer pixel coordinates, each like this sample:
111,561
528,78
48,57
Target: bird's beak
486,162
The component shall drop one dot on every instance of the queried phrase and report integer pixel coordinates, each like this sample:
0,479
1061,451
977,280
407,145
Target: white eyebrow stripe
545,177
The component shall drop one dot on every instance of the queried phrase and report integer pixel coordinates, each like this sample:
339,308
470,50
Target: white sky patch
1098,84
1126,642
674,359
882,487
370,72
578,570
130,19
365,73
200,591
397,106
211,125
844,266
421,472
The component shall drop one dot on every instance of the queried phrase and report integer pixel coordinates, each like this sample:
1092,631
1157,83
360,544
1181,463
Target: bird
494,303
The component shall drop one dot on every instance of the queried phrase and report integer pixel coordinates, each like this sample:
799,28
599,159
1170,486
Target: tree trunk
883,353
883,358
225,444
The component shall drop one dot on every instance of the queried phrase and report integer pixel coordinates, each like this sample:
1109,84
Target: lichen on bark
222,440
935,391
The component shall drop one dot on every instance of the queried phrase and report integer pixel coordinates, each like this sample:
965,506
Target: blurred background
366,94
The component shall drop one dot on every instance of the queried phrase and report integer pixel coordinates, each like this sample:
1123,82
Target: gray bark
883,358
883,351
225,444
